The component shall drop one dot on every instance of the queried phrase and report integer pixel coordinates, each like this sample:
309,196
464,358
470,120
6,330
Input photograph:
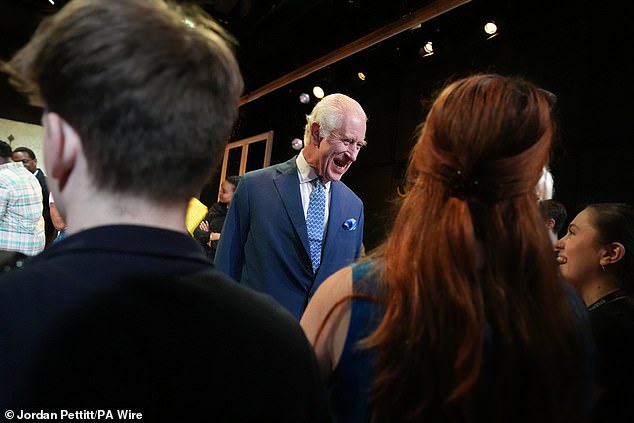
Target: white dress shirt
306,175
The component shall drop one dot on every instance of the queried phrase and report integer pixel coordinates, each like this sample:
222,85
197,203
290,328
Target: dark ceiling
275,36
278,36
579,49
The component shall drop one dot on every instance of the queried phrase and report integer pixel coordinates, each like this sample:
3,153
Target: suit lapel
287,184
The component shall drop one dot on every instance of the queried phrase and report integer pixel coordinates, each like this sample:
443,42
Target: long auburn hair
469,259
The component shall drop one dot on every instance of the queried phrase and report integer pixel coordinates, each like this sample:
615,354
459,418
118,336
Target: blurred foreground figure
126,312
462,315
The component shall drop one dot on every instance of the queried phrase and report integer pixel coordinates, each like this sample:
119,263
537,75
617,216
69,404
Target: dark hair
471,199
5,150
614,222
140,81
26,150
553,209
233,180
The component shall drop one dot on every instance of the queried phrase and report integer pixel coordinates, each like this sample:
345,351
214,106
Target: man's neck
103,209
306,172
85,205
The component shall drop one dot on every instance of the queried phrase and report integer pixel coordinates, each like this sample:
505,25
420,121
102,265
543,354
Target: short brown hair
152,89
553,209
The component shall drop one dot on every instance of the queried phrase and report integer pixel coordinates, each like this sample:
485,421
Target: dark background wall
579,50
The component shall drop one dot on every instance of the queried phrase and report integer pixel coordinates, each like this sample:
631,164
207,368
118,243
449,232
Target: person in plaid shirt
21,223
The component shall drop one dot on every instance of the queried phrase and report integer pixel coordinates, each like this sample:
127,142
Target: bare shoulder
327,318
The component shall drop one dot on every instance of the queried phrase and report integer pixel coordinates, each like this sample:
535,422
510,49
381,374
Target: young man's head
27,157
150,89
554,214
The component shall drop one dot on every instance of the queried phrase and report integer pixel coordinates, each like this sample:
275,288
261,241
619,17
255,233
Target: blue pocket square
350,225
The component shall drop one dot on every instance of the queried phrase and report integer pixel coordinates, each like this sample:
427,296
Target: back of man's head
152,91
5,152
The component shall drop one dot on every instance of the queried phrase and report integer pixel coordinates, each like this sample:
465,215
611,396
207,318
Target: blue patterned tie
315,222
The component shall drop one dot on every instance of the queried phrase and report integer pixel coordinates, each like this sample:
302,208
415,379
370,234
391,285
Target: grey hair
545,186
329,113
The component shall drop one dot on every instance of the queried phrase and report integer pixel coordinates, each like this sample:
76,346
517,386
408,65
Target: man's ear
314,133
612,253
62,146
550,223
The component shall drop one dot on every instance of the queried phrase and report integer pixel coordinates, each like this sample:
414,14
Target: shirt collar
9,165
305,172
131,239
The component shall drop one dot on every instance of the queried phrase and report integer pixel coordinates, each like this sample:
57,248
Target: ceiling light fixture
427,49
304,98
189,23
297,144
318,92
491,29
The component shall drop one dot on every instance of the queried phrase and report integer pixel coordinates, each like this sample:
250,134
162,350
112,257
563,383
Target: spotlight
491,29
304,98
189,23
318,92
427,49
297,144
361,76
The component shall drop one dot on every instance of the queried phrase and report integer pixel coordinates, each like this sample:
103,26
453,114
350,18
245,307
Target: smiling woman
596,257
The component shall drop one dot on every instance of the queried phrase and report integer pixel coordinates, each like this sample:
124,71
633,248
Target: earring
603,267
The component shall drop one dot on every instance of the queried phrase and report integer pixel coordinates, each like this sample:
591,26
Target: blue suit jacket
264,241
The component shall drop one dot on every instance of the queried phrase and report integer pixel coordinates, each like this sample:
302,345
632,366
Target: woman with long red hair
461,314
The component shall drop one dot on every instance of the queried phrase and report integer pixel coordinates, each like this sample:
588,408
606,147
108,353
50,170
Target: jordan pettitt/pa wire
91,415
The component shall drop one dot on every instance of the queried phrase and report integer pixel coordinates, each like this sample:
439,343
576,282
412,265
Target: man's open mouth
341,162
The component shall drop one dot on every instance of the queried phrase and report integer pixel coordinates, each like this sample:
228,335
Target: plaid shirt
21,222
